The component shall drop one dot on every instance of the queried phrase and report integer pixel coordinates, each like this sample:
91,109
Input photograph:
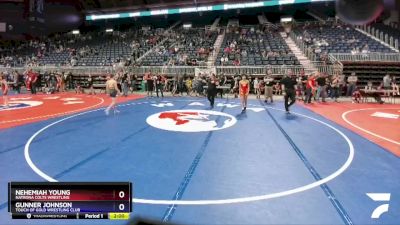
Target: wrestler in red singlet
244,89
4,89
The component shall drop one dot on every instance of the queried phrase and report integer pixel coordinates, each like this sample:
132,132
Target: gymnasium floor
189,164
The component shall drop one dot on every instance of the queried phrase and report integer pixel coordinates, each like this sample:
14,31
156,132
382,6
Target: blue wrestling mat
192,165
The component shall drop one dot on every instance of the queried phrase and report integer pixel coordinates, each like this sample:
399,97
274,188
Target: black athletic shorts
113,93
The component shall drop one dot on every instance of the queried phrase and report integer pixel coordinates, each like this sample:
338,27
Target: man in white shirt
387,82
256,85
351,84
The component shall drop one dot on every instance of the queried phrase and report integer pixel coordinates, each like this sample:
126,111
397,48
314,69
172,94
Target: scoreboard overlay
70,200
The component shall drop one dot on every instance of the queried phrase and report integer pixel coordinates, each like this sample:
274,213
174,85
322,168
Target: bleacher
338,39
182,48
373,72
392,32
158,57
104,49
256,44
256,47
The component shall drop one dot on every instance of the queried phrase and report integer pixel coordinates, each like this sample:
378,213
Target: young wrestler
4,89
244,89
112,90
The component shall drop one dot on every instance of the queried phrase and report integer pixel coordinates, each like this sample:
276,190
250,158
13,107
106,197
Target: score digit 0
121,194
121,207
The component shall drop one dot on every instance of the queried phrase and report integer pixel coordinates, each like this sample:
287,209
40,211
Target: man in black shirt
159,85
212,84
289,84
321,81
52,83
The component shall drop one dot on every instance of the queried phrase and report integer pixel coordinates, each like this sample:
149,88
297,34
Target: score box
84,216
69,197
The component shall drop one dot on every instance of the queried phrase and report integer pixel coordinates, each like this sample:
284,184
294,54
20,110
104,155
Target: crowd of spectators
86,49
252,45
183,47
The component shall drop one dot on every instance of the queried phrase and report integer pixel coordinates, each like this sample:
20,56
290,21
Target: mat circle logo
191,120
14,105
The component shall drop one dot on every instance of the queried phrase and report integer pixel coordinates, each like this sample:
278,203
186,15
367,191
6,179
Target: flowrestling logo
14,105
191,120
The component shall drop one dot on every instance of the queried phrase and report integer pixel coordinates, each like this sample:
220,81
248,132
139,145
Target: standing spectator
124,84
181,84
159,85
70,80
165,83
17,82
301,85
335,87
321,91
62,82
52,83
235,88
261,87
188,84
148,83
90,85
33,78
342,84
256,85
310,87
351,84
132,80
269,83
174,84
387,82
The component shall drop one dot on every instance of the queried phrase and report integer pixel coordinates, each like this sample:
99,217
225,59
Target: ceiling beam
163,5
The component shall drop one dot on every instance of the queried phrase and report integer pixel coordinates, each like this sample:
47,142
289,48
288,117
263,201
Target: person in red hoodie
310,88
31,81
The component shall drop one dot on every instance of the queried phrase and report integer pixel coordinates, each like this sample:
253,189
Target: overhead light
188,25
243,5
159,12
109,30
106,16
286,19
135,14
283,2
216,7
75,31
